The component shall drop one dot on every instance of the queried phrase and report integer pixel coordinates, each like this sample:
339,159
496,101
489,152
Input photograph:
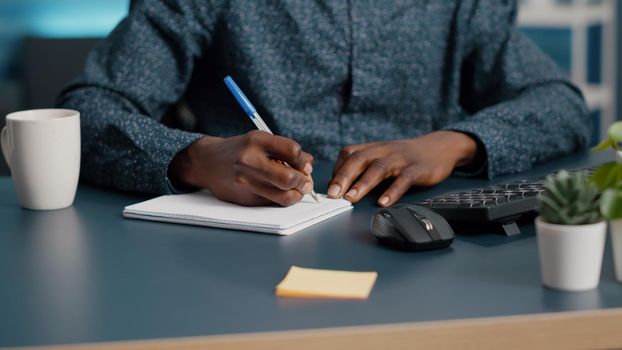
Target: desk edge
594,329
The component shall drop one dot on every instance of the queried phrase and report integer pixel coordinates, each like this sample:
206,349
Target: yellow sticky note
312,283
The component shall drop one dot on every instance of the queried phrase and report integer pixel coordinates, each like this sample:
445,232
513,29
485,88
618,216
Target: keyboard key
501,200
496,202
444,205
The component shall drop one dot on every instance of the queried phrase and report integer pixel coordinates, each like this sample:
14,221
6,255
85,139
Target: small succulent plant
570,199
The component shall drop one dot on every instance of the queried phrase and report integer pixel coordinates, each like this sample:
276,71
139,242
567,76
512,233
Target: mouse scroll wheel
428,224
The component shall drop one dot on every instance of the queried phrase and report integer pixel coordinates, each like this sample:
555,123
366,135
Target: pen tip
315,197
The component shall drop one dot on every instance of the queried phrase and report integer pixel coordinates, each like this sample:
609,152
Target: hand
426,160
246,169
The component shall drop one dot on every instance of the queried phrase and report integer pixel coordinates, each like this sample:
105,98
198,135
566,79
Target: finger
250,199
252,181
284,149
379,170
270,170
246,181
350,171
279,175
275,195
344,154
308,168
397,189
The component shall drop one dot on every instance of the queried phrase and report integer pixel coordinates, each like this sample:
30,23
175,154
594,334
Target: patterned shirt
325,73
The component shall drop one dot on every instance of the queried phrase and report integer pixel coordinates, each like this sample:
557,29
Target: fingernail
307,188
352,193
307,169
384,200
333,190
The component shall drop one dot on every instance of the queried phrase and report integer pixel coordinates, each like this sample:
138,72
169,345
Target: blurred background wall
580,35
25,20
43,44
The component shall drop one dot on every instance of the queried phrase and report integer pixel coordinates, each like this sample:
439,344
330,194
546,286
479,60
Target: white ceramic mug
42,149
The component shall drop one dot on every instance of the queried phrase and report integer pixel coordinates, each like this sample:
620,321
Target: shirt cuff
182,141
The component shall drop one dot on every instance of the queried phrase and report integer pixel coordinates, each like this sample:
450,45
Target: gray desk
86,275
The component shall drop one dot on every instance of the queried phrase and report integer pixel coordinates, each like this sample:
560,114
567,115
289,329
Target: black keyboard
503,203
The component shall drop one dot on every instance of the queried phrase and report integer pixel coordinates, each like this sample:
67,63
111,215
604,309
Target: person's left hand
425,160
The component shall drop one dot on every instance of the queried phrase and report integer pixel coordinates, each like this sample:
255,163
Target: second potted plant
608,179
611,208
571,233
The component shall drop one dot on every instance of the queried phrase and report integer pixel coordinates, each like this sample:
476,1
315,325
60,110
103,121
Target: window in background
580,36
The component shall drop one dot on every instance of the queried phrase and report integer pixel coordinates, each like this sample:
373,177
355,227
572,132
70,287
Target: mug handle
4,138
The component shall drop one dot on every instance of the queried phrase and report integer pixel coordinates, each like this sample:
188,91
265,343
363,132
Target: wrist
462,148
183,168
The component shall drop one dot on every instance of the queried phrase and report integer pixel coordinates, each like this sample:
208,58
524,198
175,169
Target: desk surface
85,274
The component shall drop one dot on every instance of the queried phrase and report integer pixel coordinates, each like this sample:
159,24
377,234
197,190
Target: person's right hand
246,169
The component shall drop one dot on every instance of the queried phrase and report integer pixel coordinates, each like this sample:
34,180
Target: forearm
515,100
541,123
182,170
130,80
121,148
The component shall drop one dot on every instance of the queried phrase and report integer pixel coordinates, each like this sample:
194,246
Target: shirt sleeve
130,80
515,100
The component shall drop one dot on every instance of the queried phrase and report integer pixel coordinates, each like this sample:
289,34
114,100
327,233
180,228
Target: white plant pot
616,246
571,256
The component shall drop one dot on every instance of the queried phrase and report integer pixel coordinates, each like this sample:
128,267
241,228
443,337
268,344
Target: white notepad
203,209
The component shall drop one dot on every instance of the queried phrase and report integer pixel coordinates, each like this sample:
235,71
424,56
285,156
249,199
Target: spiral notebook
203,209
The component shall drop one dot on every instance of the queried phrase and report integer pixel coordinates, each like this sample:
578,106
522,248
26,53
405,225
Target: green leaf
605,144
573,198
611,203
615,132
607,175
556,191
550,210
567,219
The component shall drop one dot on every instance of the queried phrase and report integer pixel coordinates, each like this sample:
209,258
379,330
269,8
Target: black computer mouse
411,227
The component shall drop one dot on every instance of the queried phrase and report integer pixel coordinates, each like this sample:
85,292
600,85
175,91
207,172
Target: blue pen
248,108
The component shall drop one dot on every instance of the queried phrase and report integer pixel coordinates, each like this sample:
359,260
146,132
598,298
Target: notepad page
202,208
